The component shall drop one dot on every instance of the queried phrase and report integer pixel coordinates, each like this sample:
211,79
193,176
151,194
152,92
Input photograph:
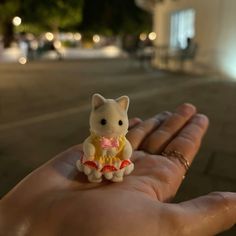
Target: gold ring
179,156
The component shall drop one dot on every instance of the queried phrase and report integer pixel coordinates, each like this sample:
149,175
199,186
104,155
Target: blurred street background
55,54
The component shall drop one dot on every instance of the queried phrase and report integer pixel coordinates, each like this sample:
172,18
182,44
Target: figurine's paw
117,178
108,175
97,174
93,179
80,166
128,169
87,170
119,173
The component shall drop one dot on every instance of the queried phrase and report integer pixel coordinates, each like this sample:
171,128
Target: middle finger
157,141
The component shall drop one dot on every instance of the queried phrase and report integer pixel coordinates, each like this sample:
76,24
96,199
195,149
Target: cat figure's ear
123,101
97,101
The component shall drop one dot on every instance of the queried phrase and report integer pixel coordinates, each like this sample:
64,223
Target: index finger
137,135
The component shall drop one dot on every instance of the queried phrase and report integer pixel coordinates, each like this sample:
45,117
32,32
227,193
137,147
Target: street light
49,36
152,36
16,21
57,44
143,36
77,36
22,60
96,38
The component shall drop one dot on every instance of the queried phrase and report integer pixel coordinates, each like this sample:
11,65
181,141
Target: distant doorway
182,27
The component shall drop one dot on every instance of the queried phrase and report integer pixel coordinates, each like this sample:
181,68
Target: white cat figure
106,151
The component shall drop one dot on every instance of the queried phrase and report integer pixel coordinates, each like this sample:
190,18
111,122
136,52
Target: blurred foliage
101,16
52,14
114,17
8,9
107,17
69,44
33,28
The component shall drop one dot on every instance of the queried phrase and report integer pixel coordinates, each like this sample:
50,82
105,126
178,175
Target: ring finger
183,148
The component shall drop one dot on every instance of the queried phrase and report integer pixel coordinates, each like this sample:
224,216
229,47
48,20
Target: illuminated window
182,27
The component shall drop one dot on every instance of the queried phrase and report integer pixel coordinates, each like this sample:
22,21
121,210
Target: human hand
56,199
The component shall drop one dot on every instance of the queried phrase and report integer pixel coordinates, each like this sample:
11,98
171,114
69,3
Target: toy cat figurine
106,151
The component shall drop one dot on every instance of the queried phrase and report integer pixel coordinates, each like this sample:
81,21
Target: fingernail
186,109
163,115
201,119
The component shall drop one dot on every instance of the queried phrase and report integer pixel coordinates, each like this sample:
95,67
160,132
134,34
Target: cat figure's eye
103,121
120,122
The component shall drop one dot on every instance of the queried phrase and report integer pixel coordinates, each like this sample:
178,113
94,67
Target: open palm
56,199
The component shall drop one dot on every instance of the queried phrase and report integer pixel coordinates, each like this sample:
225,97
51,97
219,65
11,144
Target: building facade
210,23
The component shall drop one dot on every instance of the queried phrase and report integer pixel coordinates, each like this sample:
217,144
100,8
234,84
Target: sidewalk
13,54
45,108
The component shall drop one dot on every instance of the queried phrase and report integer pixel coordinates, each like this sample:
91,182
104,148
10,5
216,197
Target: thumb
210,214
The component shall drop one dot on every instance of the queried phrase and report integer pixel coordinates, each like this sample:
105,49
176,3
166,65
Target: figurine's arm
89,149
127,151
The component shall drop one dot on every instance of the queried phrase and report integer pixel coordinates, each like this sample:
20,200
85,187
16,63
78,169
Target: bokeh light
143,36
77,36
57,44
96,38
22,60
34,44
16,21
152,36
49,36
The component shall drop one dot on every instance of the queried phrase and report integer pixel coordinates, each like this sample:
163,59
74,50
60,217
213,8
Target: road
44,109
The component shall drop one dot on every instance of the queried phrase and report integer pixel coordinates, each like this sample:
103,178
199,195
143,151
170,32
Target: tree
8,9
101,16
52,14
39,15
114,16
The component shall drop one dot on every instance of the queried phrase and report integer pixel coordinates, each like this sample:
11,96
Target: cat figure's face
109,117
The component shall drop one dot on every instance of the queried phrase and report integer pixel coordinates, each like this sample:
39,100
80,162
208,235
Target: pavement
45,105
14,53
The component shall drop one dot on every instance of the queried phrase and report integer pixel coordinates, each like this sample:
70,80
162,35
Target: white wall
215,31
226,59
